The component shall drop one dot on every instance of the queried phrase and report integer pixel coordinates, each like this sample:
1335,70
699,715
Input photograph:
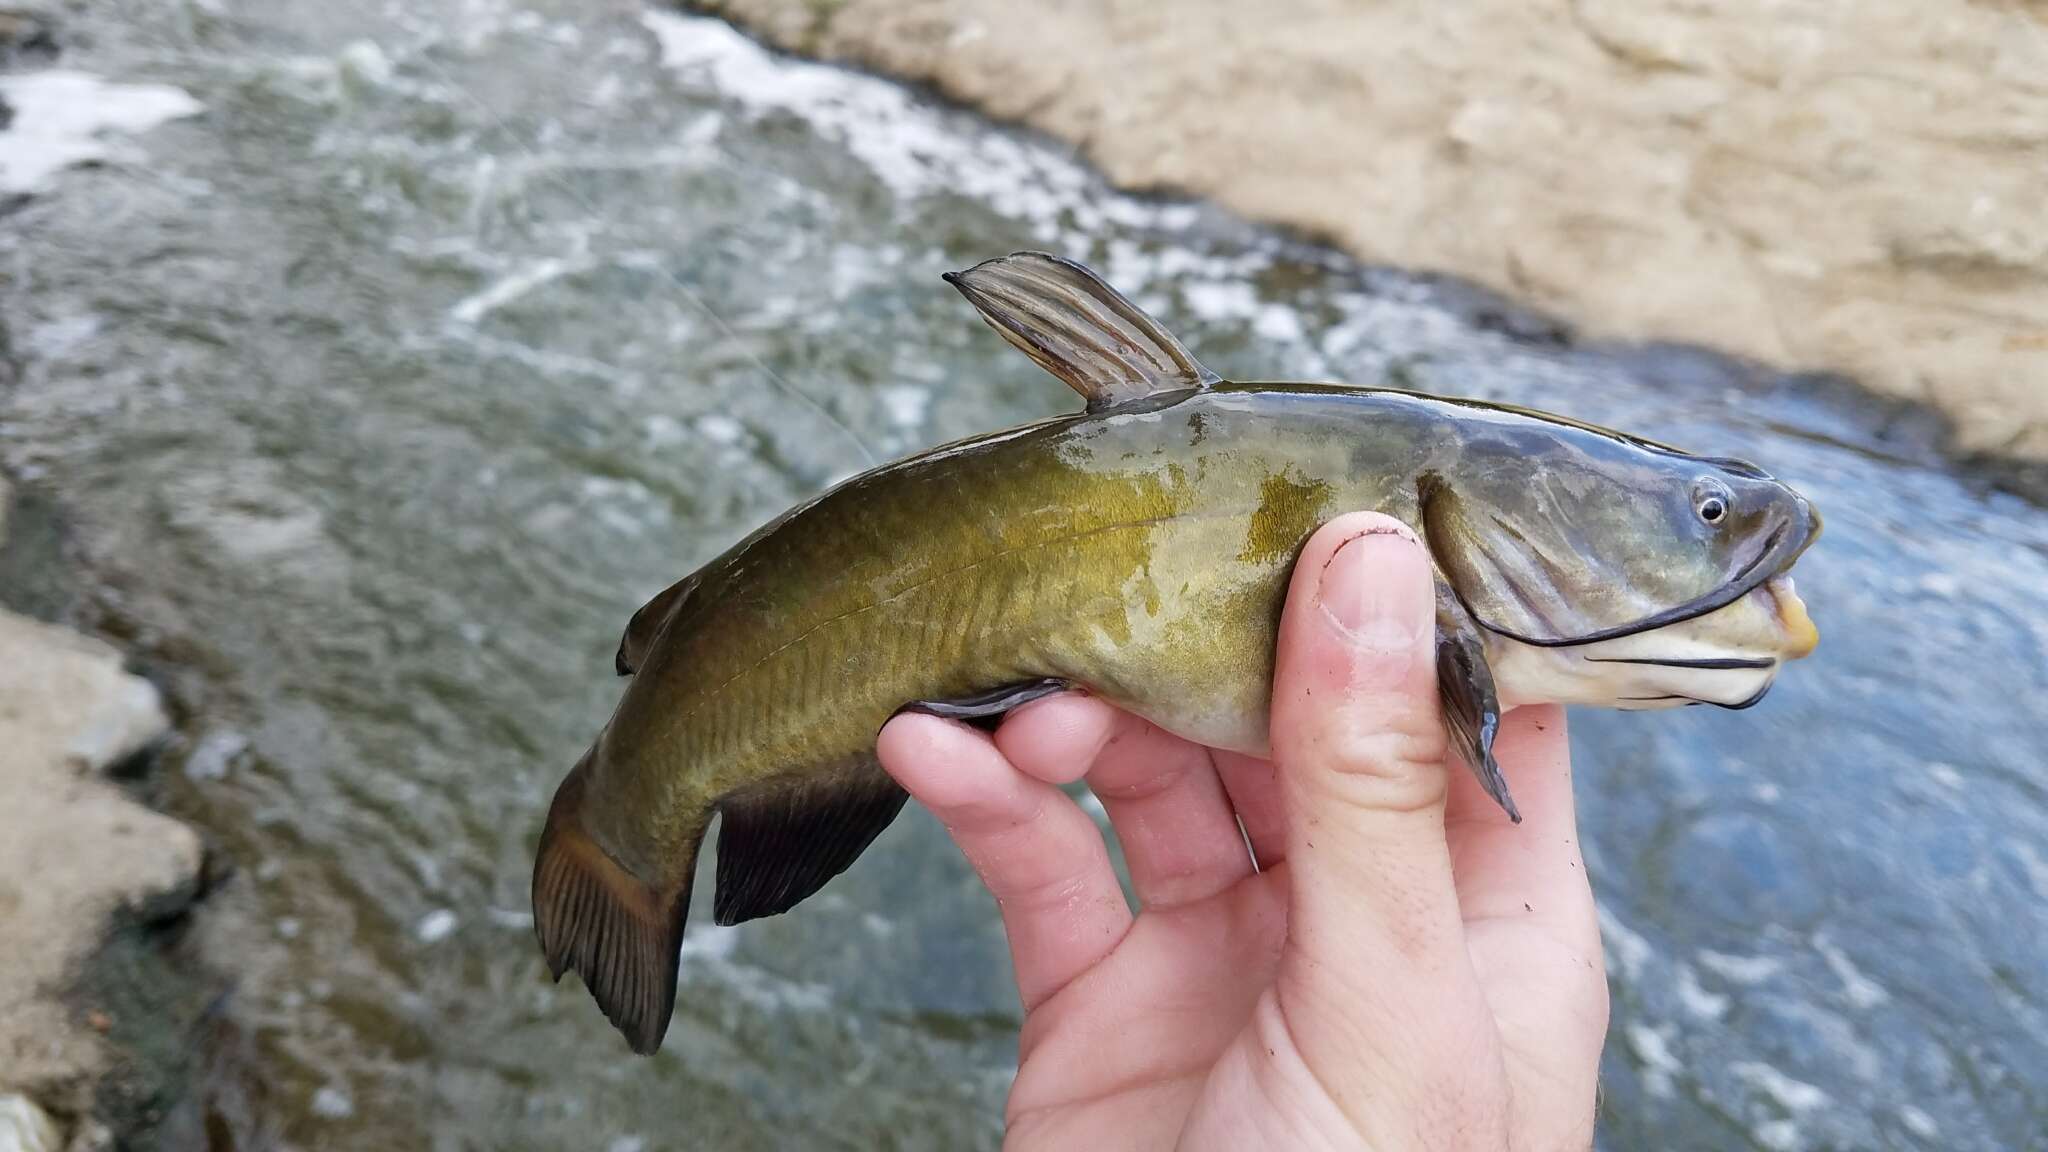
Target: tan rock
73,848
1859,188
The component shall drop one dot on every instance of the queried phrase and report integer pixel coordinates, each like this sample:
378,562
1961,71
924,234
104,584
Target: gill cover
1574,535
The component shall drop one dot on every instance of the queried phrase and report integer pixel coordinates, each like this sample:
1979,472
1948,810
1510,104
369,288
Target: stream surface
381,390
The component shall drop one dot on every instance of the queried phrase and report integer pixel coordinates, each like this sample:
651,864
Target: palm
1128,1046
1131,1042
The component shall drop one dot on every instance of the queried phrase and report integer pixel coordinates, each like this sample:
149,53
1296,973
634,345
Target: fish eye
1711,500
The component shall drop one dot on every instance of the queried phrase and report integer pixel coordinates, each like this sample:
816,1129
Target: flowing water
381,390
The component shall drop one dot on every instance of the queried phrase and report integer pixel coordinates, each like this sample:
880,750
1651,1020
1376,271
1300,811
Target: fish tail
622,934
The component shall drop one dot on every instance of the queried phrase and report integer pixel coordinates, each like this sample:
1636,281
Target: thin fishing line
726,330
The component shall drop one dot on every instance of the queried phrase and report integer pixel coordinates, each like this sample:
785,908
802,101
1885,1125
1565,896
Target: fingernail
1371,594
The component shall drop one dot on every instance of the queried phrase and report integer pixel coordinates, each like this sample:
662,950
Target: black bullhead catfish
1139,549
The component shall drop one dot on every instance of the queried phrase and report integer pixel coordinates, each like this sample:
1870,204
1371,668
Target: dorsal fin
646,625
1079,328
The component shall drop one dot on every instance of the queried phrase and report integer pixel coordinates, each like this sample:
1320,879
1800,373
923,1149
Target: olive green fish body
1141,554
1140,550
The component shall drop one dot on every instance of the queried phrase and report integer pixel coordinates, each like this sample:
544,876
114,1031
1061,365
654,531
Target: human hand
1406,969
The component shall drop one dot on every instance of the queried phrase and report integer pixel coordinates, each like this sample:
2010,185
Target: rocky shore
89,876
1825,188
77,857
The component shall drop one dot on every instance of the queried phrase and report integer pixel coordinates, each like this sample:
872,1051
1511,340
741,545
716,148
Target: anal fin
780,842
1470,705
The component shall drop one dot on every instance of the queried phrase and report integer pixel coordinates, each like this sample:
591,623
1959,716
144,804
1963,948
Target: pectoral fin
1079,328
1471,708
986,709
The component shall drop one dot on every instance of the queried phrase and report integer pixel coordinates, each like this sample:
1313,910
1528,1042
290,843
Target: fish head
1628,568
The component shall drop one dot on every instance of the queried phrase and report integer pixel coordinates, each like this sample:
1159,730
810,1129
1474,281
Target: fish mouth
1728,659
1797,637
1801,637
1787,541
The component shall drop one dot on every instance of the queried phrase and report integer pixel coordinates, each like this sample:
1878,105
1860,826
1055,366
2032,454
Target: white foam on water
1696,999
1795,1096
627,507
514,919
63,117
1940,584
216,752
1220,300
365,62
2036,866
436,926
54,338
331,1103
664,431
1918,1122
1280,323
1800,1099
721,429
906,404
1660,1066
1626,949
1746,970
504,291
1779,1136
708,950
1862,991
710,942
909,144
917,149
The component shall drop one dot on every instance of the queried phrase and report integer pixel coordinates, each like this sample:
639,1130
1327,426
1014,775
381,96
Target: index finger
1534,870
1038,854
1530,921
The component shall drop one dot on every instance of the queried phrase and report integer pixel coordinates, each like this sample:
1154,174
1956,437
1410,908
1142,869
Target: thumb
1376,946
1356,722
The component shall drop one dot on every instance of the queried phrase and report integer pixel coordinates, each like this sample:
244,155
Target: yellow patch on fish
1289,509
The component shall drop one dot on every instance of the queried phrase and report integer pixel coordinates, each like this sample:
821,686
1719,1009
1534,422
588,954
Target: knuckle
1397,742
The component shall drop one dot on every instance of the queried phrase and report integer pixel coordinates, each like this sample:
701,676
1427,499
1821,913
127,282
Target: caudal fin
620,933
